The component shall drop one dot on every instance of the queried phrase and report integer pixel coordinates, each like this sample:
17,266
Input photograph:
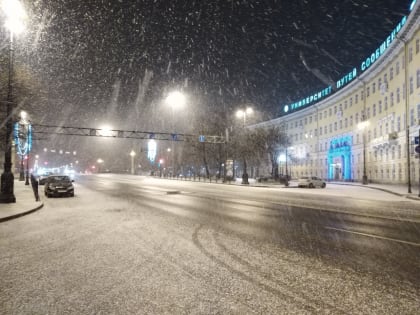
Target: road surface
136,245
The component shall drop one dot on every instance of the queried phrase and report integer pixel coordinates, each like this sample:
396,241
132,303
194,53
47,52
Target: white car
311,182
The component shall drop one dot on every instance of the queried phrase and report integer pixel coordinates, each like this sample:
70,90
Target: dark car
43,177
59,185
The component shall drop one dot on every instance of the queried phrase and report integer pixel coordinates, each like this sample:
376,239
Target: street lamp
362,126
15,14
176,100
241,114
132,154
100,162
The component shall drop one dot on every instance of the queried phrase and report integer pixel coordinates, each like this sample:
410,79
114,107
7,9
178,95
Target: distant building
368,125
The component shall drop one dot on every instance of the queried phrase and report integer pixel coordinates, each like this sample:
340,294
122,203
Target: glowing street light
176,100
15,14
243,113
105,131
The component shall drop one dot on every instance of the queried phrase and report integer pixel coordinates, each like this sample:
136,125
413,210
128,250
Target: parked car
59,185
311,182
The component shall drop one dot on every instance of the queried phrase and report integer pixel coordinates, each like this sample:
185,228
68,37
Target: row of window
394,96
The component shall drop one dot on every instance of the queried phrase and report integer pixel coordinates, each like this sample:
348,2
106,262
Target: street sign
416,140
201,138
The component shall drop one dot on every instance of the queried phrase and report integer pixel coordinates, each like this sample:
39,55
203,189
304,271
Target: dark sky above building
99,57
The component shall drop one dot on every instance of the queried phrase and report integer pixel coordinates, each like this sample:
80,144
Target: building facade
367,127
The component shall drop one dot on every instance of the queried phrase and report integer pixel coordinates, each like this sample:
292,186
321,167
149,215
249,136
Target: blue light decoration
22,134
151,150
412,5
339,159
350,76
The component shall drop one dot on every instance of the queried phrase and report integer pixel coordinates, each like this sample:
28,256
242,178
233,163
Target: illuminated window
404,91
418,79
418,111
411,117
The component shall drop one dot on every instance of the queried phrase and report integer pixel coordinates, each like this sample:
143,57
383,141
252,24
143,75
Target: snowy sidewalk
25,202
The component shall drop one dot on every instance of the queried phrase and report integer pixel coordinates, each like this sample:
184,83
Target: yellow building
367,127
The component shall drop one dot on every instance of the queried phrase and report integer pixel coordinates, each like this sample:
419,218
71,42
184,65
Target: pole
286,181
419,167
27,170
245,174
132,164
364,180
407,125
21,170
7,178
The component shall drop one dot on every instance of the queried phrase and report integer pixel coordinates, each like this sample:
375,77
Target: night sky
115,61
223,53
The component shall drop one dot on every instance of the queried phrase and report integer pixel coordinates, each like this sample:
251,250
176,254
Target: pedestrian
34,184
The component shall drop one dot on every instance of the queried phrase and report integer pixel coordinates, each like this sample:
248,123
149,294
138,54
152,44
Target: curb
381,189
21,214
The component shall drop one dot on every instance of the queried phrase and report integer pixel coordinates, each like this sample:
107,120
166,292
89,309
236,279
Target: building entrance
339,159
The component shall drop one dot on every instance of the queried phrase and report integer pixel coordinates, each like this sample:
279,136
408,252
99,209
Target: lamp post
132,154
27,170
241,114
362,126
14,22
176,100
100,162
